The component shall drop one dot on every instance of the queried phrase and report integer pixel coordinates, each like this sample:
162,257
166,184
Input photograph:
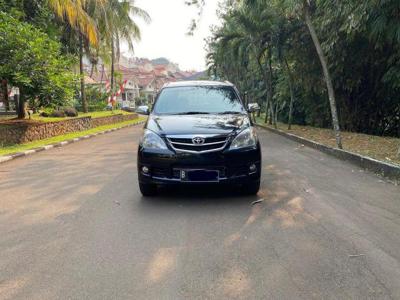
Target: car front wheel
148,190
252,187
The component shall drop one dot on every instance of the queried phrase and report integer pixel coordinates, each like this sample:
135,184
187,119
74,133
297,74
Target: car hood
197,124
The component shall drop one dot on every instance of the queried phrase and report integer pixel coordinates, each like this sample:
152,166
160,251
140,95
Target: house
138,78
129,92
148,88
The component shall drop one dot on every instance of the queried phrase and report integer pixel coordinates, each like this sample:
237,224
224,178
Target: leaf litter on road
257,201
356,255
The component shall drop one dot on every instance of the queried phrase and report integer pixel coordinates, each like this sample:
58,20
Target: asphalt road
73,225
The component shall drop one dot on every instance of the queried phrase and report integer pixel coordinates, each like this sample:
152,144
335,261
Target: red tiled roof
144,81
98,76
160,67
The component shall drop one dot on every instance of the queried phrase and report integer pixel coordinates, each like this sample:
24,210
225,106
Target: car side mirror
253,107
143,110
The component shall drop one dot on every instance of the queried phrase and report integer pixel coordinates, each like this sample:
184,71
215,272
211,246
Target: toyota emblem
198,140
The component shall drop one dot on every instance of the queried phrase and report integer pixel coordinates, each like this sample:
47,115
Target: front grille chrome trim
196,145
175,145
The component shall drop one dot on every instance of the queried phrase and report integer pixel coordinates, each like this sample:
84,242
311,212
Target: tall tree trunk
102,74
94,63
112,66
267,78
271,92
91,70
117,48
291,89
271,112
20,104
82,74
266,111
327,76
4,86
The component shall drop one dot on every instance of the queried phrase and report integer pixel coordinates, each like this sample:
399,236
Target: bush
96,98
58,114
128,109
70,112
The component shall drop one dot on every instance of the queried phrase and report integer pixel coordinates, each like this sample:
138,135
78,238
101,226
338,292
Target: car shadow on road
200,195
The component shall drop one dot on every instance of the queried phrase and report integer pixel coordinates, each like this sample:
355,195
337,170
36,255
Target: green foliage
96,97
31,61
35,12
361,40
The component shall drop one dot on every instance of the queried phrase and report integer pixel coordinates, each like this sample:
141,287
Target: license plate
199,175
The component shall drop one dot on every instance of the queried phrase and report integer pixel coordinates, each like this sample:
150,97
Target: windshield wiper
193,113
230,113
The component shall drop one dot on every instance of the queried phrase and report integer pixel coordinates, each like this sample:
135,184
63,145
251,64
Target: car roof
197,83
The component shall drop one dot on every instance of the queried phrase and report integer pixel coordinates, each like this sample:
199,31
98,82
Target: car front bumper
164,166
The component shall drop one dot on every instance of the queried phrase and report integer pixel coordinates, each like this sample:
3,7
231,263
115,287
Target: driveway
73,225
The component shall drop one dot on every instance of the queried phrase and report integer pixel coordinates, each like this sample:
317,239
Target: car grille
186,144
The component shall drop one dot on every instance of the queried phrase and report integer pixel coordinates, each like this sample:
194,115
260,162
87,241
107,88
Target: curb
9,157
381,168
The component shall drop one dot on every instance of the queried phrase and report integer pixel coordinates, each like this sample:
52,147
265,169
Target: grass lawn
6,117
94,114
378,147
40,143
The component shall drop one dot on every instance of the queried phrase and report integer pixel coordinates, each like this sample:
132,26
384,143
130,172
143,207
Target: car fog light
145,170
252,168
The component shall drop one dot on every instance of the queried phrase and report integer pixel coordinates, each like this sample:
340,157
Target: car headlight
247,138
151,140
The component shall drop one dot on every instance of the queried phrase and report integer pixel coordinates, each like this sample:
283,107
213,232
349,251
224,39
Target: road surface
73,225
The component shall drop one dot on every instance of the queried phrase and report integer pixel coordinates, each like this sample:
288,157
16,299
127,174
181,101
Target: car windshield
198,100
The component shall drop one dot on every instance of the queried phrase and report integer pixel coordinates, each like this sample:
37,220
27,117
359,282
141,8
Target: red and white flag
108,86
113,98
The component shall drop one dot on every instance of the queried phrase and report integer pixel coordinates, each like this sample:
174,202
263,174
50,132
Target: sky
166,36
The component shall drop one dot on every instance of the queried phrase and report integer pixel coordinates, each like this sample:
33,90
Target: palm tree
73,12
283,29
81,16
248,28
257,20
117,25
259,27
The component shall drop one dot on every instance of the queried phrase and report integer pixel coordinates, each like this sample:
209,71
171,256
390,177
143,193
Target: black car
199,132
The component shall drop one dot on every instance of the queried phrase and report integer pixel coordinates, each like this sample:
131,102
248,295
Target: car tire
252,187
148,190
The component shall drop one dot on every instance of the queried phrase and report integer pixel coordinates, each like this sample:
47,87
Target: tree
4,92
253,13
249,29
31,61
325,69
358,50
76,13
117,24
282,41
